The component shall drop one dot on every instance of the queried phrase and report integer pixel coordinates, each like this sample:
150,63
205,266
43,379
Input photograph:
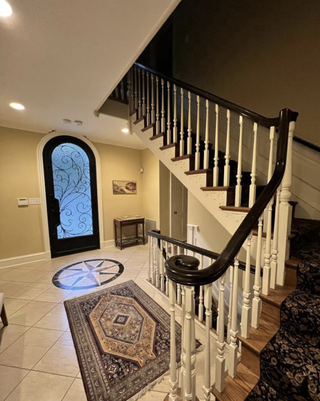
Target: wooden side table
120,222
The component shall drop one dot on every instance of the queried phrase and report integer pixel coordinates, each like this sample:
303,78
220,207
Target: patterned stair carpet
290,362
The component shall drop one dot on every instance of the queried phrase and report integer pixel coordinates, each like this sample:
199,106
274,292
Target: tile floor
37,356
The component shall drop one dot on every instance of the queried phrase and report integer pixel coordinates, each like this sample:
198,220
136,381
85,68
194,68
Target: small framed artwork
124,187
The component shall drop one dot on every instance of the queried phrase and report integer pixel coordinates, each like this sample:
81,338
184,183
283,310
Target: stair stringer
211,200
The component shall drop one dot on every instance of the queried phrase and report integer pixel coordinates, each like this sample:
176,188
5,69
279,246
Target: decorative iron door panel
71,193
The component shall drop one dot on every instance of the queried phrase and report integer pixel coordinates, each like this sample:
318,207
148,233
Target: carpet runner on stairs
290,362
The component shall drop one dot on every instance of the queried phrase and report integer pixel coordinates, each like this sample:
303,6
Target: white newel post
252,190
230,303
207,361
274,250
197,155
245,315
157,259
168,113
162,268
173,364
233,346
189,140
206,139
149,273
226,172
200,308
285,212
175,128
216,150
182,126
220,358
239,168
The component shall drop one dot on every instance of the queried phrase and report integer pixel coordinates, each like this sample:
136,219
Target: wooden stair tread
238,388
258,338
171,145
292,263
203,171
139,120
175,159
160,135
236,209
277,296
217,188
148,127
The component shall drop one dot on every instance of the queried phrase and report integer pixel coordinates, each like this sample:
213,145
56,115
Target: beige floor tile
31,313
27,351
46,279
38,386
11,273
76,392
2,282
153,396
30,292
11,288
9,379
56,319
31,265
53,294
13,305
30,276
9,334
60,359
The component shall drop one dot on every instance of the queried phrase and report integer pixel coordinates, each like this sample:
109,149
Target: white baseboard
21,260
107,244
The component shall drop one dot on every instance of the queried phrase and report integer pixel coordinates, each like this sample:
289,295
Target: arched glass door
71,193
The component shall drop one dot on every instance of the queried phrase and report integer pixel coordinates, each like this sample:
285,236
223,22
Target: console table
125,221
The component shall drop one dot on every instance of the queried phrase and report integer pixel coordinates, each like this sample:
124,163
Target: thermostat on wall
23,202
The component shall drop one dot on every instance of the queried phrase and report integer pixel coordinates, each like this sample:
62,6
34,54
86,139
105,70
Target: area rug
122,341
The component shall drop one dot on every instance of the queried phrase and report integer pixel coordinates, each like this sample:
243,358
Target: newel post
285,211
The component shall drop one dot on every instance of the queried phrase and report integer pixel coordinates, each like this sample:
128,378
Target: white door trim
44,215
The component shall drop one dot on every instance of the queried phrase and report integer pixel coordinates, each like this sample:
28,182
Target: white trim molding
22,260
45,227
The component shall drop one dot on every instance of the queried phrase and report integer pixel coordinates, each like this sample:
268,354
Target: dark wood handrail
185,273
264,121
195,249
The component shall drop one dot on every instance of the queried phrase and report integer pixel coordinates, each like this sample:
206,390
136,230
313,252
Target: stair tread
182,158
236,209
160,135
217,188
277,296
148,127
292,263
171,145
202,171
139,120
237,388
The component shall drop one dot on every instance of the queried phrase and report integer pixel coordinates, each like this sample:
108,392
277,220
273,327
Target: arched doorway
71,196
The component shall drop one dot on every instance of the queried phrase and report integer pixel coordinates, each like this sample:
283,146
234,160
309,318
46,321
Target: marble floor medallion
88,274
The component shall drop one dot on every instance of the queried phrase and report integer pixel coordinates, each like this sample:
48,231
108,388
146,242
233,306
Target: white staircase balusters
274,250
175,128
256,302
148,100
143,93
239,167
252,190
173,396
162,269
157,107
233,346
220,358
135,88
200,305
163,118
226,171
182,124
285,211
139,94
197,154
153,114
150,263
245,315
206,139
189,140
168,113
216,150
157,263
154,260
207,359
231,276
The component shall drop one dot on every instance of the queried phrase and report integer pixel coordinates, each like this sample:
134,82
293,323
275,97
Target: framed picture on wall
124,187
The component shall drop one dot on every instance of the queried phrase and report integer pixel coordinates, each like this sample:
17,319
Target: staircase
232,160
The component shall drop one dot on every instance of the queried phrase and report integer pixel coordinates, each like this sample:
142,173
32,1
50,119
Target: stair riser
250,360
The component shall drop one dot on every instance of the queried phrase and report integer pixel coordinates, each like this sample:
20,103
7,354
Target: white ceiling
62,58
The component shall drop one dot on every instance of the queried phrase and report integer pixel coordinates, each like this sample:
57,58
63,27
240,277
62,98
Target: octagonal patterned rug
122,339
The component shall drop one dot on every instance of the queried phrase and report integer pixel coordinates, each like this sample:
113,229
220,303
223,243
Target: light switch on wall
34,201
23,202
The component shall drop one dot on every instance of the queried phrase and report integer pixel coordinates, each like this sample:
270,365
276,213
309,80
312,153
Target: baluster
274,252
233,347
131,91
173,364
216,150
139,93
163,119
179,287
189,140
148,99
226,172
143,94
157,263
149,273
256,302
135,89
153,118
182,126
161,263
285,211
153,273
168,114
157,107
122,89
201,309
197,156
231,274
207,360
239,169
206,139
252,191
175,128
220,358
245,316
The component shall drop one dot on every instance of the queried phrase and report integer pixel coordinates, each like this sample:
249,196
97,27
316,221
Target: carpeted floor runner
290,362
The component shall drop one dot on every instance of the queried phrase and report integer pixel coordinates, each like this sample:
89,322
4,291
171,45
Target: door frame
42,188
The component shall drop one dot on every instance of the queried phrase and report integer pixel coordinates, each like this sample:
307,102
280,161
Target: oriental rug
122,339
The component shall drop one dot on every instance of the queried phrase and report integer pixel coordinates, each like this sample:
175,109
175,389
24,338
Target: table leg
143,240
120,236
115,234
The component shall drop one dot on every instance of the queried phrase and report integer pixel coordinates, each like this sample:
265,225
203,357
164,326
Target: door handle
175,212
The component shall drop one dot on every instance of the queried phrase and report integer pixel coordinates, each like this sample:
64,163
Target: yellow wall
262,55
21,227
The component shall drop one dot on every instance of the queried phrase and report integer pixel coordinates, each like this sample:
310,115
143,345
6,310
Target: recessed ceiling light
5,9
17,106
125,130
66,121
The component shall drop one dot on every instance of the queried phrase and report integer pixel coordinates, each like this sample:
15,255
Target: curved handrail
219,267
264,121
